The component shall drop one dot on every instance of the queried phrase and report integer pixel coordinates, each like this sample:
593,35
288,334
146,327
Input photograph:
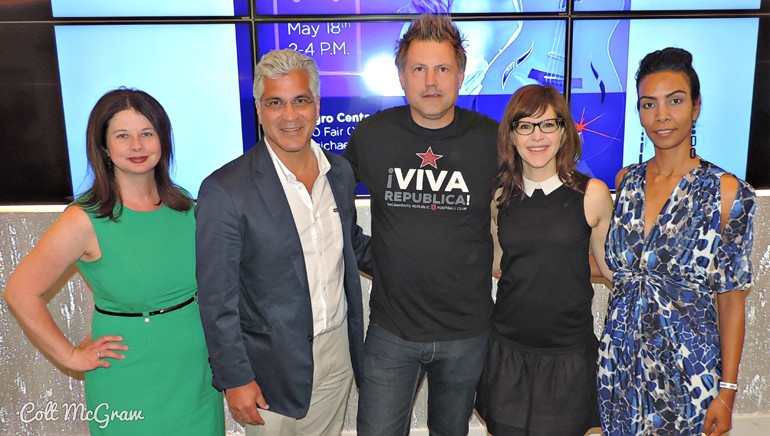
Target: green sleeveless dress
163,386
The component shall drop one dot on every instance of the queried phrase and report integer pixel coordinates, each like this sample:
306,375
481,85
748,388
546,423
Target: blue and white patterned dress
659,357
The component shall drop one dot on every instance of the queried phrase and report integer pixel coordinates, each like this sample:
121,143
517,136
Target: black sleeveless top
544,294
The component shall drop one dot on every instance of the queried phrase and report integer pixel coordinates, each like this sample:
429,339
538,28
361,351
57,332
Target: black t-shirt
430,194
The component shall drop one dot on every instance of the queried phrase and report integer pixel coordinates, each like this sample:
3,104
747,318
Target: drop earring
641,147
693,142
107,158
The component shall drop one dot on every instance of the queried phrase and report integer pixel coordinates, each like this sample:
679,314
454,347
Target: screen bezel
38,13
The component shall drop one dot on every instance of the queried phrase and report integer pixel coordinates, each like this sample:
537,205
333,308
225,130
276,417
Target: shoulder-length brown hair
534,101
104,194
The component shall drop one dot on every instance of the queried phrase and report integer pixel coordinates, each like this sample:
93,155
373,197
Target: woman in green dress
132,234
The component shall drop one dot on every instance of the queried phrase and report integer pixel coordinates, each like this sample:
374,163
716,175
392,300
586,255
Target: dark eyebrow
678,91
310,96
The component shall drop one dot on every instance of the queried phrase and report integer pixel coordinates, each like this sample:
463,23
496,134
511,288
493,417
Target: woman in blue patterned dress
680,239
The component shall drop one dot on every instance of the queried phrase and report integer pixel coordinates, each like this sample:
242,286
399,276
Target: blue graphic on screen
333,7
599,65
664,5
193,71
149,8
606,55
359,77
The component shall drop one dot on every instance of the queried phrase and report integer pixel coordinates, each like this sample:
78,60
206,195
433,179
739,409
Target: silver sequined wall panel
38,399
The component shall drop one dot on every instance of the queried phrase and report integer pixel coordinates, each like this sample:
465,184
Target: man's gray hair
278,63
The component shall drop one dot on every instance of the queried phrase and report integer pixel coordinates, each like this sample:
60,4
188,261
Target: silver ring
98,355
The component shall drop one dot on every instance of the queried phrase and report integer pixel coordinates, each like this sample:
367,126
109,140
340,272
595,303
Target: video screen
605,57
54,68
149,8
200,73
664,5
359,77
33,166
358,7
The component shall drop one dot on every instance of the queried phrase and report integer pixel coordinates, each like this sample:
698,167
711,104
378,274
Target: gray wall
35,396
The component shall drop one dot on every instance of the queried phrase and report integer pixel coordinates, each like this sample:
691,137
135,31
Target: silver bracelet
726,385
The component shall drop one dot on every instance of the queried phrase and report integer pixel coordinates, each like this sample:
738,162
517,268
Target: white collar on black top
548,185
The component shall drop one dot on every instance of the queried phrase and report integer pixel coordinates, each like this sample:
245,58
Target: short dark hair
104,194
669,59
436,28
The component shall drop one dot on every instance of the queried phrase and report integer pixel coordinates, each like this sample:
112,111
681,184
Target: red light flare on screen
582,125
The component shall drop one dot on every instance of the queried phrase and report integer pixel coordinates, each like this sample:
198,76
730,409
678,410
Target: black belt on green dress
154,312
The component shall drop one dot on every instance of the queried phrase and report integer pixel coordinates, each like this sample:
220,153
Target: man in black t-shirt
429,168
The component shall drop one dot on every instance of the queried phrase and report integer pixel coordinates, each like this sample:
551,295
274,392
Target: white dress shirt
320,232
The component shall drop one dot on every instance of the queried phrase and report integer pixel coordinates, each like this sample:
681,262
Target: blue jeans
393,371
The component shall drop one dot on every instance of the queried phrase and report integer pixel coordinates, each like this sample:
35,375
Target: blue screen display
664,5
606,55
196,57
200,73
149,8
359,77
334,7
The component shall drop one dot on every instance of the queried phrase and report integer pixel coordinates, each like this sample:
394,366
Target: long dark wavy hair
104,194
534,101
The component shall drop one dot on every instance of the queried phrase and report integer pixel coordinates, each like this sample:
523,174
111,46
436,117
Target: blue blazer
252,283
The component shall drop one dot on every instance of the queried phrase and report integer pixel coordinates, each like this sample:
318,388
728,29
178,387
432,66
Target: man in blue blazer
278,254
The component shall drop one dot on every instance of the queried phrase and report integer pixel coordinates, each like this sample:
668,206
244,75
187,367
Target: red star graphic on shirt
429,158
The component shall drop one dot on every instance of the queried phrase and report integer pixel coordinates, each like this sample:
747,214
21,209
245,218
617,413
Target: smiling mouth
138,160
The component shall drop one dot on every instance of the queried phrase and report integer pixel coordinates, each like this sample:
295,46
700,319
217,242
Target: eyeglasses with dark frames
546,126
276,105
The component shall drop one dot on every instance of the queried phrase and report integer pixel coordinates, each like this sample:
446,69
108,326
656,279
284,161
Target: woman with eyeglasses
132,235
540,376
679,242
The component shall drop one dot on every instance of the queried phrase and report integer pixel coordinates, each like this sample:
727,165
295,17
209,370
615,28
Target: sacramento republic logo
427,187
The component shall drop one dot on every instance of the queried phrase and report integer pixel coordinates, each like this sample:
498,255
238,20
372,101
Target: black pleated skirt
533,391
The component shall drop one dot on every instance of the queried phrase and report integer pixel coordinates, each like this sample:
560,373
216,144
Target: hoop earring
693,142
641,147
